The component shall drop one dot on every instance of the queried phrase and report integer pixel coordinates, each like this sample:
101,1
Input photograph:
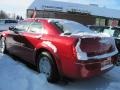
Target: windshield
71,27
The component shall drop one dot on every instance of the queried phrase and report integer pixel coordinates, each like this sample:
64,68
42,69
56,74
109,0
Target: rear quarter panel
64,55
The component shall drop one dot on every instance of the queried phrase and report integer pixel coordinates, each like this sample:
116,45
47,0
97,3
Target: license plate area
106,64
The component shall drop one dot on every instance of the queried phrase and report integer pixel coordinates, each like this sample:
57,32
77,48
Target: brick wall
85,19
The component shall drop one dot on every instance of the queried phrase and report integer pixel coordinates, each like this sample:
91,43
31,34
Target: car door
14,38
32,39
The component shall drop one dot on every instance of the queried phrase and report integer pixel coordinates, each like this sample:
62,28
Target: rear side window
70,27
35,28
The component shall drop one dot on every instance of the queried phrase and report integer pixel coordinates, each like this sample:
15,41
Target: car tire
2,45
48,67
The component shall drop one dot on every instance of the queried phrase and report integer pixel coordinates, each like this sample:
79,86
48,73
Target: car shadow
27,64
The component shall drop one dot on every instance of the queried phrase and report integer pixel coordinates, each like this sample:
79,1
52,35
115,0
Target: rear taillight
74,49
79,53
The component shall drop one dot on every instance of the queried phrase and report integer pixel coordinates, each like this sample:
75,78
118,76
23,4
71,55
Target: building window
113,22
110,22
97,21
100,22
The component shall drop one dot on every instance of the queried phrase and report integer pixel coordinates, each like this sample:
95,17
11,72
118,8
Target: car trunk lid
95,46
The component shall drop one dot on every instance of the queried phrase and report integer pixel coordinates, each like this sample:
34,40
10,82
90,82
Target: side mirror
12,28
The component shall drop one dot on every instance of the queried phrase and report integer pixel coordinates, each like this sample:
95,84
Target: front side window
22,26
71,27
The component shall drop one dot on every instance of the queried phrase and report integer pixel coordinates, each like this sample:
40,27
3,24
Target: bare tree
3,15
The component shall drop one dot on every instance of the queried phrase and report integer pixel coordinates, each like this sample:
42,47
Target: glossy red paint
27,46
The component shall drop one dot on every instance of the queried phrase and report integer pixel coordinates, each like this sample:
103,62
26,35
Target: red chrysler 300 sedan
60,47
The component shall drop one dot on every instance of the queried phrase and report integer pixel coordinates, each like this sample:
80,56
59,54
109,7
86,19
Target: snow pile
16,76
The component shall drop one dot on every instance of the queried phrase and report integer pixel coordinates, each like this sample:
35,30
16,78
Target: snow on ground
15,75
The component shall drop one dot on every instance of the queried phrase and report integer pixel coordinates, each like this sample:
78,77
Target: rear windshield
70,27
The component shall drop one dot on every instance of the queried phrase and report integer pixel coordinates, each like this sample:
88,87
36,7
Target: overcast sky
20,6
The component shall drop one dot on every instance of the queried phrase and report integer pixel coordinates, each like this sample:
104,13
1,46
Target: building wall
85,19
82,18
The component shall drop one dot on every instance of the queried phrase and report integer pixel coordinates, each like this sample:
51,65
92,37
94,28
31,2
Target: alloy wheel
45,66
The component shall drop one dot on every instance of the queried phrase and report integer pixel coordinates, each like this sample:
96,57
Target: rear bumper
87,71
91,68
